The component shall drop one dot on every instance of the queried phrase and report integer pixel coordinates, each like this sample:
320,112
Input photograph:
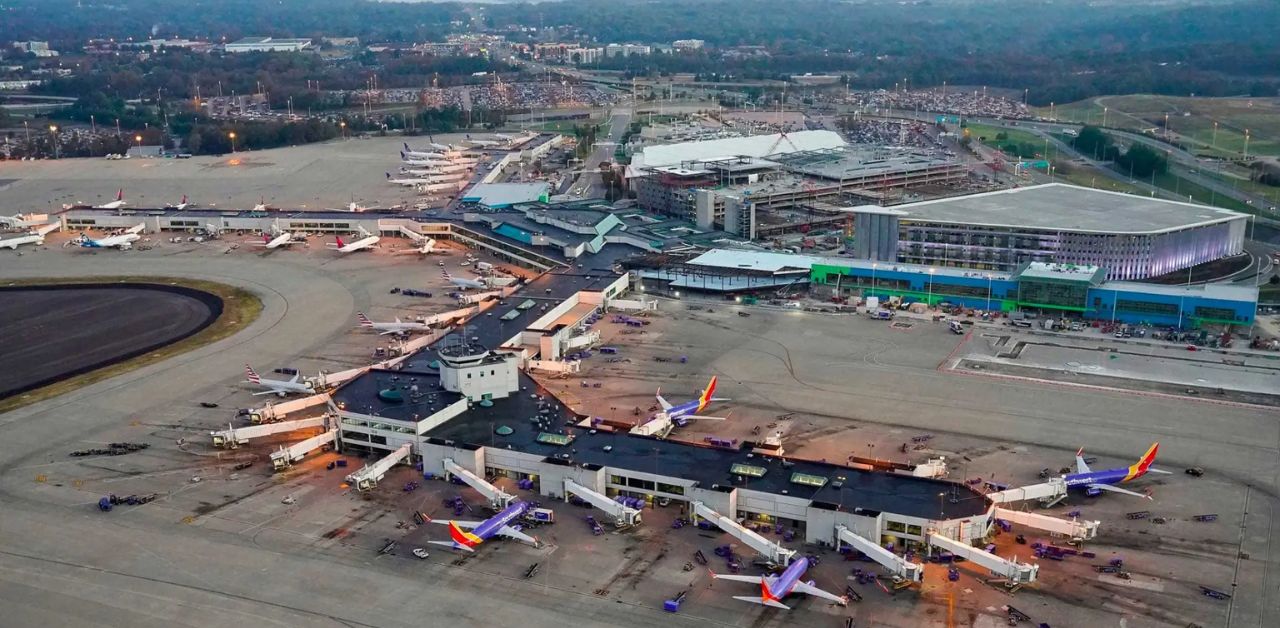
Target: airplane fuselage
492,525
785,582
14,243
1105,476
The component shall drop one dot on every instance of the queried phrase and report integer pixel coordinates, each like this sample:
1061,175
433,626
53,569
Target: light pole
873,278
1214,143
1246,143
53,138
930,301
942,511
232,136
343,126
988,292
137,140
1104,117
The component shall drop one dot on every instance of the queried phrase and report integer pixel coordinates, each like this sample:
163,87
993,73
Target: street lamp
873,278
942,511
232,135
53,138
988,292
343,126
931,271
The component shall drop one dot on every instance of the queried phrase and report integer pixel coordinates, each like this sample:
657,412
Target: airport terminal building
1132,237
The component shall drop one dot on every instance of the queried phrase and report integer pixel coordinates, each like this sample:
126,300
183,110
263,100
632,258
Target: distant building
627,50
267,44
815,79
583,55
19,84
688,44
342,42
37,48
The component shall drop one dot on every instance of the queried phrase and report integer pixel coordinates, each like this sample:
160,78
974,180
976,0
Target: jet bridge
623,516
498,499
369,475
480,297
272,411
772,551
286,456
1070,528
233,437
1012,571
1049,494
901,568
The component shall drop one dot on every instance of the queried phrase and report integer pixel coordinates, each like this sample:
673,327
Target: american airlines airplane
116,204
123,241
398,327
366,241
466,535
774,588
279,387
465,284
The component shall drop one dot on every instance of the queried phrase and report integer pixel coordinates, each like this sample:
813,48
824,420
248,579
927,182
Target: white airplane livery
465,284
366,241
398,327
279,387
123,241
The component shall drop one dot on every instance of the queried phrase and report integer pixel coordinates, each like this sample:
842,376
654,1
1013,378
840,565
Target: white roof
764,261
752,146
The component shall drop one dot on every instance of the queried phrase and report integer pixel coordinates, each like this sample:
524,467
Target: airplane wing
451,544
762,601
1116,489
690,417
295,378
513,533
1081,465
273,391
388,332
807,589
1160,471
137,228
737,578
666,405
466,525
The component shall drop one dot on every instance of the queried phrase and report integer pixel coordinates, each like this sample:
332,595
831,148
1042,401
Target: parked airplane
366,241
18,222
279,387
679,414
774,588
398,327
409,181
182,205
123,241
1094,482
116,204
409,153
483,143
481,531
279,238
465,284
425,246
34,236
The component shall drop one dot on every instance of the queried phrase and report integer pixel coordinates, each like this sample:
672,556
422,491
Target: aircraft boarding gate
286,456
775,553
369,475
498,499
623,516
1070,528
234,437
899,567
1012,572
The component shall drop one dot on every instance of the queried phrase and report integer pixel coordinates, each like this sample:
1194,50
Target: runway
55,332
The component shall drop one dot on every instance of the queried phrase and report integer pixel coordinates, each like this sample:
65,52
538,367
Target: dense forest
1060,50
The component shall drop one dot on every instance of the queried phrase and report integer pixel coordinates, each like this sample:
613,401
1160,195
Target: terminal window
1053,294
1220,313
1147,307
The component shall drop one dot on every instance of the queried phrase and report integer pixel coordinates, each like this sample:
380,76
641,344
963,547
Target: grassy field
1090,177
1191,119
239,309
1195,192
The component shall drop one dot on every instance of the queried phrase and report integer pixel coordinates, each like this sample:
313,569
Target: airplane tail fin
340,242
252,374
451,544
364,320
1147,459
184,199
707,393
120,194
761,601
388,175
463,538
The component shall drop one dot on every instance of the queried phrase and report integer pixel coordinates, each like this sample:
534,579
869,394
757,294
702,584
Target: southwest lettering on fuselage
774,588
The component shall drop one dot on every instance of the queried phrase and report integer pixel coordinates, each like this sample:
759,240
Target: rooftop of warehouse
1062,207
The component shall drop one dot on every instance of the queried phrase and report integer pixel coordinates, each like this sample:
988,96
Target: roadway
590,184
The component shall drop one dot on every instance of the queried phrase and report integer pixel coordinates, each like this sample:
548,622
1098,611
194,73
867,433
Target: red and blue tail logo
340,242
462,537
1144,463
364,320
707,394
252,375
